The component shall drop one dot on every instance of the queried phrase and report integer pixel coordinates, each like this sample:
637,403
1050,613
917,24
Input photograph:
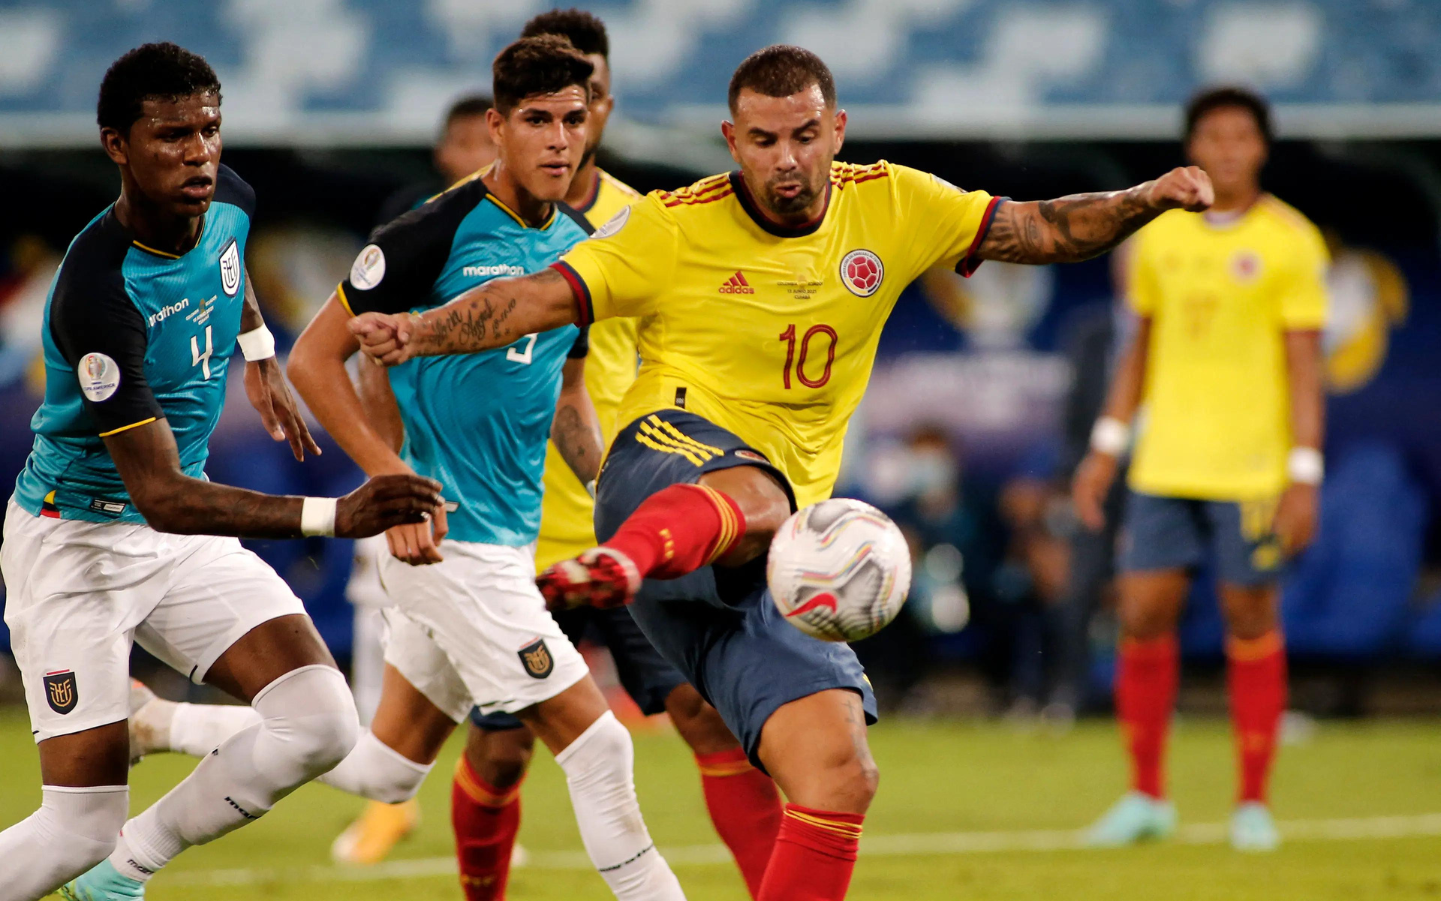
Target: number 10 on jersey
798,360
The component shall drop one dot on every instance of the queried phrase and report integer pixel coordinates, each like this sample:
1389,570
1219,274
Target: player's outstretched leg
728,517
485,803
816,749
307,725
743,802
1146,684
1256,683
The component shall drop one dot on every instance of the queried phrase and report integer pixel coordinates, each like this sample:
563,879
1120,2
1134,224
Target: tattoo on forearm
479,319
579,444
1065,230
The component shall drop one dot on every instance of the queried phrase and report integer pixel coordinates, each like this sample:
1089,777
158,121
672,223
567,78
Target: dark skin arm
1296,514
575,429
1080,226
269,394
149,465
1097,470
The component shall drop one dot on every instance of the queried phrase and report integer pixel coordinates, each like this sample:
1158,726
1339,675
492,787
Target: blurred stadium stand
378,70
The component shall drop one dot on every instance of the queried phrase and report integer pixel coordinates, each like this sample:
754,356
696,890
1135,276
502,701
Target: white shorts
79,593
473,630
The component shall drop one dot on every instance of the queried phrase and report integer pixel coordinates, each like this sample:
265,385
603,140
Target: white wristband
1305,466
256,344
1110,436
317,516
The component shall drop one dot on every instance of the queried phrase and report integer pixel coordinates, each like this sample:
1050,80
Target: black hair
151,71
465,107
1228,96
781,70
584,30
543,64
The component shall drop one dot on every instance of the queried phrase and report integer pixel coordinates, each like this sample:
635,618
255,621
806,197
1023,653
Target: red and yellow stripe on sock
481,792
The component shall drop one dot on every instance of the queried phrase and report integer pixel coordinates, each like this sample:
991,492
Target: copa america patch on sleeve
613,224
99,376
368,269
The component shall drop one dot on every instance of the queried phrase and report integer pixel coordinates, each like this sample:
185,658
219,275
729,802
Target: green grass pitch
965,812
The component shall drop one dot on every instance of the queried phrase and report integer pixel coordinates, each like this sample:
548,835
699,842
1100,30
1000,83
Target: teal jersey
132,335
477,423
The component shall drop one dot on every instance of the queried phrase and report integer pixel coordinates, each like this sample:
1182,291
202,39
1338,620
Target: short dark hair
1228,96
542,64
162,71
465,107
584,30
781,70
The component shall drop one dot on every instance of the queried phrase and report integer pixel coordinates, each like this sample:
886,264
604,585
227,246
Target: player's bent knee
312,713
500,757
698,723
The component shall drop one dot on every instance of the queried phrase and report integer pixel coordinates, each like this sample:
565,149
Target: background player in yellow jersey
1226,361
761,295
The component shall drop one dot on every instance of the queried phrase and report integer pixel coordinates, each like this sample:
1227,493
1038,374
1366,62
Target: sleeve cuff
968,263
126,428
579,289
344,302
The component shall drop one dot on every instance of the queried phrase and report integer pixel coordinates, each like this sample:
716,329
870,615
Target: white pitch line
914,845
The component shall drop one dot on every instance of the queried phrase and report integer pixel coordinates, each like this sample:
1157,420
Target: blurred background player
690,505
115,534
466,623
1226,359
464,147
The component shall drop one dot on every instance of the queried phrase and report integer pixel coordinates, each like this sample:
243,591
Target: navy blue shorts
1182,533
717,625
643,672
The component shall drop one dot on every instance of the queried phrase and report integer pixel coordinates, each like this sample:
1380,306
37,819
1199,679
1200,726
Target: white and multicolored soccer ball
839,570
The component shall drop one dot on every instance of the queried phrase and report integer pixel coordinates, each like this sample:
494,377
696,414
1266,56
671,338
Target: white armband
256,344
317,516
1305,466
1110,436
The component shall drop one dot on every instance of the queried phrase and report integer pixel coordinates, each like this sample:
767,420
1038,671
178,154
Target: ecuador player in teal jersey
111,535
467,625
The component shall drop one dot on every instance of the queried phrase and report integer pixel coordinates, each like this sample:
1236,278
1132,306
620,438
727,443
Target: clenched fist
1184,188
385,501
384,337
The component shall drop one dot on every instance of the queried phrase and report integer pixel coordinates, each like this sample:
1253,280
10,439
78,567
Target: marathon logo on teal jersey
169,310
500,269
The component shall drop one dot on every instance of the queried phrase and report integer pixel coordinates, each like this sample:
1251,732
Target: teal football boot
102,883
1137,817
1252,828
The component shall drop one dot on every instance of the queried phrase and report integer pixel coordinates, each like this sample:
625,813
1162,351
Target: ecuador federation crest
536,659
60,691
230,269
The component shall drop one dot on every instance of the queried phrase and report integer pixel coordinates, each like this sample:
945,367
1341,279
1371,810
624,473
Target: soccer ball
839,570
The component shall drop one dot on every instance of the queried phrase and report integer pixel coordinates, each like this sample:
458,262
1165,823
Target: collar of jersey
594,194
554,211
151,250
780,231
1235,219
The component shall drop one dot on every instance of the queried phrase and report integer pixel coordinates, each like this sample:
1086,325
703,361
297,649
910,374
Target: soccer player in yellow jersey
1226,361
761,295
485,798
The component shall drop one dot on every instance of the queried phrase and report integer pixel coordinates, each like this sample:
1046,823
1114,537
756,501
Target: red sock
679,529
1256,679
745,808
485,820
814,856
1145,696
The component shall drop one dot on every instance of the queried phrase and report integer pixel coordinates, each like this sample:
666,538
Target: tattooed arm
1080,226
575,429
492,314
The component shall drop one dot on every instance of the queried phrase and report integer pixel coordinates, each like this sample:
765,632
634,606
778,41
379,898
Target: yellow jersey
1216,421
567,511
767,331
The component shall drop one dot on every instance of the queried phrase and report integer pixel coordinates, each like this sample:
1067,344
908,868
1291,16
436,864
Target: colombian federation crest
862,272
230,269
536,659
60,691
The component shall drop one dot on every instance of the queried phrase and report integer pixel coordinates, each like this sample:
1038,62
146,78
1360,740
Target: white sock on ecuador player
374,770
71,832
599,771
198,729
307,725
